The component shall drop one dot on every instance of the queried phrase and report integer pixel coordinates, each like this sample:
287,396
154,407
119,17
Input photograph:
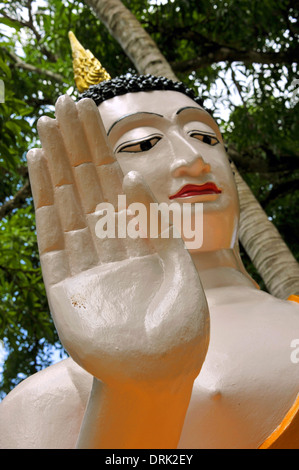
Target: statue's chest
248,381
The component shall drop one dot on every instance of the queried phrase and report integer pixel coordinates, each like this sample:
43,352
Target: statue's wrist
144,415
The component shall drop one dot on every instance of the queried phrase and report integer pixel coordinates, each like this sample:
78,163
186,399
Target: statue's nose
195,168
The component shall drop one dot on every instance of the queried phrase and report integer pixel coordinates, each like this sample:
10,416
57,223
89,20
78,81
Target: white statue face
173,143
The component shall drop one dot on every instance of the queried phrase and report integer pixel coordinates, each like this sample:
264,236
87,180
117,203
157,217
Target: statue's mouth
190,190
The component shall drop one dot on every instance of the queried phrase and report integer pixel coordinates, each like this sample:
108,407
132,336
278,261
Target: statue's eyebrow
205,118
140,114
189,107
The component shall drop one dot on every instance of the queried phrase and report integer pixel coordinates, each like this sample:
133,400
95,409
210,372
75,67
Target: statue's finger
55,151
95,132
87,149
69,207
72,131
81,250
138,192
104,232
40,180
108,170
49,231
88,186
111,178
157,220
79,245
55,267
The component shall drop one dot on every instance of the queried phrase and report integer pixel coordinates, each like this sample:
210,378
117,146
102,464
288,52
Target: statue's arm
132,313
135,417
45,410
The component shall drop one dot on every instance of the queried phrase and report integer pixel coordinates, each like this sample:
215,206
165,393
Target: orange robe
286,435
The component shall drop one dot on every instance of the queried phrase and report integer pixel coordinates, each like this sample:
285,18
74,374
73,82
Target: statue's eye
141,146
205,138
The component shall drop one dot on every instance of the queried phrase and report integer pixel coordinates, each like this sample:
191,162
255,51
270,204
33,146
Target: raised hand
124,309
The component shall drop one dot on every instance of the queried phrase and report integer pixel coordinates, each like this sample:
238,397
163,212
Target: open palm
124,309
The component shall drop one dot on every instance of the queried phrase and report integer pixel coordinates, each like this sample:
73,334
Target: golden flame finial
87,69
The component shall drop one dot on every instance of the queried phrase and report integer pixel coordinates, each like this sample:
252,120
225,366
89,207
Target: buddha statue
171,345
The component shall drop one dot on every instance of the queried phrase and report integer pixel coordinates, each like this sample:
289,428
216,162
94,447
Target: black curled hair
132,84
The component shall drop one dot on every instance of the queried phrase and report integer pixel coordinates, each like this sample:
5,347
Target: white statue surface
169,347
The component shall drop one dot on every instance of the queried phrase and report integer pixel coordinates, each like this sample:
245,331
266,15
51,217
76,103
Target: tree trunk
259,237
264,245
132,37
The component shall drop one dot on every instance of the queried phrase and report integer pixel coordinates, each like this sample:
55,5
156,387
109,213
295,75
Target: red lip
196,189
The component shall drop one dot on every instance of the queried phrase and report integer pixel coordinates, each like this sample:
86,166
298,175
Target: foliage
239,55
25,319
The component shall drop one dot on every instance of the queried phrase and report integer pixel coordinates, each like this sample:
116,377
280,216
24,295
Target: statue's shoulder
45,410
